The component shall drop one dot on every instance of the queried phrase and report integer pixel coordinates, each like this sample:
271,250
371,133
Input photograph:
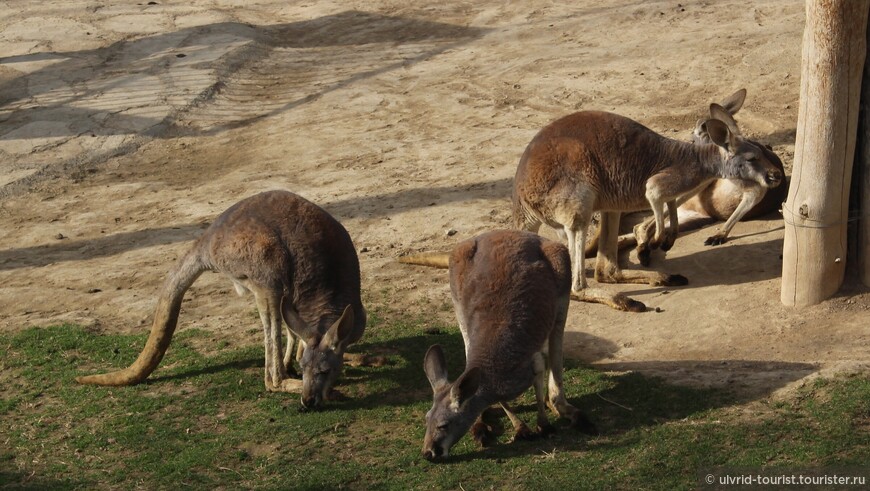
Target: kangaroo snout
773,178
311,403
432,454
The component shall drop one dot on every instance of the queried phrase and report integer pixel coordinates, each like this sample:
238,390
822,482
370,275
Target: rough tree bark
862,161
815,213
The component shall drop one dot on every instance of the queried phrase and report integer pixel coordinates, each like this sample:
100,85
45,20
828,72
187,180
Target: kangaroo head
453,411
730,104
322,360
745,159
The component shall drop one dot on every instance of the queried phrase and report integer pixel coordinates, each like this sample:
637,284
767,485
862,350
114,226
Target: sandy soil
126,128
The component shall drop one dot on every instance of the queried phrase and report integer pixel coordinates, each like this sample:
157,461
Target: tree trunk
862,162
815,213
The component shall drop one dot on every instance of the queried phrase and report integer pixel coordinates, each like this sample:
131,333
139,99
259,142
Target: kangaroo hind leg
269,307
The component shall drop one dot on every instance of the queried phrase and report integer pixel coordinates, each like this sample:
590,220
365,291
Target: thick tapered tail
441,261
185,272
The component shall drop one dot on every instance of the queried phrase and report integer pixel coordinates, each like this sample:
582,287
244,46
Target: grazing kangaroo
596,161
510,292
301,266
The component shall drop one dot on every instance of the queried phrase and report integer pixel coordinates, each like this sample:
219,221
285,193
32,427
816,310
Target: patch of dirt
125,129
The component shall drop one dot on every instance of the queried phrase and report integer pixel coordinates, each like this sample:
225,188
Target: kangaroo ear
734,102
720,113
294,322
340,331
465,386
718,132
435,367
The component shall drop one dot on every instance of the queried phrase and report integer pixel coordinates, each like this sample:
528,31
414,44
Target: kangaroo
301,266
723,199
510,291
597,161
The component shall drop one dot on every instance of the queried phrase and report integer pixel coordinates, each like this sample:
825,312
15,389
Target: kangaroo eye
443,427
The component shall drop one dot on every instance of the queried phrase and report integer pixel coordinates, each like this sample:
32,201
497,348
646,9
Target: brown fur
510,291
301,266
729,200
596,161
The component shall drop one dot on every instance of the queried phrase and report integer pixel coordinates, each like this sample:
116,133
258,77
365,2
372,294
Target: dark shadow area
372,206
744,380
586,348
647,396
21,481
409,199
121,74
616,397
79,250
245,364
402,382
731,264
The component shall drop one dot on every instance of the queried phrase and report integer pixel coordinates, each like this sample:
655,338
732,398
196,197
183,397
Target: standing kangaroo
301,266
596,161
723,199
511,292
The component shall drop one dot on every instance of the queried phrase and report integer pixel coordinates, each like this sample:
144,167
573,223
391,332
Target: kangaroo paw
628,304
670,280
668,244
293,385
643,255
715,240
524,433
482,434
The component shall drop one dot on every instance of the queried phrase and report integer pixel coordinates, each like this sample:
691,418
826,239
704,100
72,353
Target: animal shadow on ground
222,60
112,244
107,245
635,396
732,264
616,397
409,199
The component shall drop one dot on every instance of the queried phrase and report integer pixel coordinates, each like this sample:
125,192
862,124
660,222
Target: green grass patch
203,420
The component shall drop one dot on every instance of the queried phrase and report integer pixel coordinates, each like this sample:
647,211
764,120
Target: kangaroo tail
185,272
441,261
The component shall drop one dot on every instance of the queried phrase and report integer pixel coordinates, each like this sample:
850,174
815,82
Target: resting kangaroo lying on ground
597,161
301,266
510,291
722,199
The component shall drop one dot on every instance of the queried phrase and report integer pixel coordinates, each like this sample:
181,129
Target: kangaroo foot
670,280
524,433
293,385
714,240
616,301
482,434
643,254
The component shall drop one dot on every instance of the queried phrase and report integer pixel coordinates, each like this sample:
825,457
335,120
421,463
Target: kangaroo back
301,266
507,287
510,290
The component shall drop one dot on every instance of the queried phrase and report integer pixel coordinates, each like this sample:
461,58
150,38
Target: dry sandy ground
125,128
